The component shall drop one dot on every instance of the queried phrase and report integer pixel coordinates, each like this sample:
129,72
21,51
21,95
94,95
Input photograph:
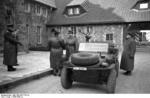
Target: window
89,29
49,11
28,33
33,8
27,7
73,11
143,5
76,11
109,37
39,35
70,11
45,12
38,10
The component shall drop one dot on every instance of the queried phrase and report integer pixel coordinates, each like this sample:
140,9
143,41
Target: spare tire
84,59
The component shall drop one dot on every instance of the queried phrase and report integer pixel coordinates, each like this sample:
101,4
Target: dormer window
143,5
76,8
70,11
77,11
73,11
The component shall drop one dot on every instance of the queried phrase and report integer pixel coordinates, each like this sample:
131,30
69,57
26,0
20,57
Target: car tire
84,59
66,80
111,83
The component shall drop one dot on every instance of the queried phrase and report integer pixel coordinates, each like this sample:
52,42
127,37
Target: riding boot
11,68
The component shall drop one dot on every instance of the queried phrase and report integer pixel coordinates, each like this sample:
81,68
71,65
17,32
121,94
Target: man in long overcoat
10,48
127,60
56,46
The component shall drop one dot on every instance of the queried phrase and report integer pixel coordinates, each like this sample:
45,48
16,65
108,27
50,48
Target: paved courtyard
139,82
29,64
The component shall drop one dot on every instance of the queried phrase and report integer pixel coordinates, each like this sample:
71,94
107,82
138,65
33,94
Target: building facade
107,21
98,33
31,17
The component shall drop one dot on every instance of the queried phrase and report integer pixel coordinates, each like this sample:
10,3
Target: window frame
39,34
109,37
89,29
73,11
141,5
33,8
138,6
76,12
38,9
70,11
44,11
27,7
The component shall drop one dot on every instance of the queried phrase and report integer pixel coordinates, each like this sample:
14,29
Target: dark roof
100,11
48,2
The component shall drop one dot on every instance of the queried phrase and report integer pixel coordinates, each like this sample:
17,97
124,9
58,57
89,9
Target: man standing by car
10,48
127,59
72,44
56,46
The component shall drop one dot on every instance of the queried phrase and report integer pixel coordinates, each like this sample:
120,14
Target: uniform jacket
72,46
56,46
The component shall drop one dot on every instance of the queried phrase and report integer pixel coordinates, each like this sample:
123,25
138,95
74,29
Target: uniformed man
127,60
10,47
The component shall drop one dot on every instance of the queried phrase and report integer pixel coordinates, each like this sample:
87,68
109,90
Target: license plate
79,68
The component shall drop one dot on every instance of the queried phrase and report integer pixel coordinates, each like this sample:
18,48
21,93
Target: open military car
95,63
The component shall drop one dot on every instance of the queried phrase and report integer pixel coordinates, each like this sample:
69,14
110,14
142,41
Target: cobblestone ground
139,82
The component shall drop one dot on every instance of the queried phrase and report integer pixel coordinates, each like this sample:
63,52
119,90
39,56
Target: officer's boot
10,68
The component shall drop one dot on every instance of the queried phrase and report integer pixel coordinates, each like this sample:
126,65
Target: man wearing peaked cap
10,48
127,59
56,46
72,44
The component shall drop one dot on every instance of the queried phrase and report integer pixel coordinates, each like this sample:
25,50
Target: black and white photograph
74,47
